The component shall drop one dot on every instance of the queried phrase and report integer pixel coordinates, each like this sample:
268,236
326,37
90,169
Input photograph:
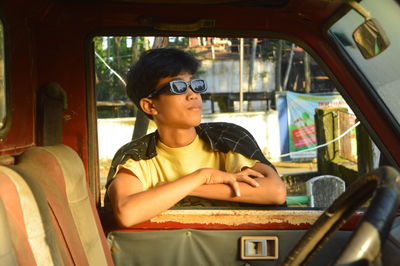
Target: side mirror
370,38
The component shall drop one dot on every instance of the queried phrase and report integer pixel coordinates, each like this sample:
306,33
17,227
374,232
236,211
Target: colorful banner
301,110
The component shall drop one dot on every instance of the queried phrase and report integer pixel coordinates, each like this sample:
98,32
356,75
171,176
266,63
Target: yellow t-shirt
172,163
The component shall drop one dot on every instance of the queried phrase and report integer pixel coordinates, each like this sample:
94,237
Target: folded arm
271,189
132,205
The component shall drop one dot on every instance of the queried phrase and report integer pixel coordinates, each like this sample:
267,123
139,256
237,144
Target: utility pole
278,67
251,68
241,76
289,67
307,72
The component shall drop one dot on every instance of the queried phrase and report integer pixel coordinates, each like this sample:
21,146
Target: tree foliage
118,56
119,53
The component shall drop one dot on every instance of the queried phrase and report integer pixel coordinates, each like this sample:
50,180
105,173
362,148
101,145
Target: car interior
57,120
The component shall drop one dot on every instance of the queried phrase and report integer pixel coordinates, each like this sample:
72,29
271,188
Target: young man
182,158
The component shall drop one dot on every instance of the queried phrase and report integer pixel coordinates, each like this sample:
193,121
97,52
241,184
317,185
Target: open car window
273,88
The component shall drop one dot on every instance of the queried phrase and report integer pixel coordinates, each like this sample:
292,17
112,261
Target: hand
250,172
214,176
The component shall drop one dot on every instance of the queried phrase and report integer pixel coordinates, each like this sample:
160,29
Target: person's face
177,111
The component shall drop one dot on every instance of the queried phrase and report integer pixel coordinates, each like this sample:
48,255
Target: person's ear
147,106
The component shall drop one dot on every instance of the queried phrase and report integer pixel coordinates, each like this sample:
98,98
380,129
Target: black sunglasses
180,87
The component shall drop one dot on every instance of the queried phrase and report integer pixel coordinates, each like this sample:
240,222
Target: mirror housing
370,38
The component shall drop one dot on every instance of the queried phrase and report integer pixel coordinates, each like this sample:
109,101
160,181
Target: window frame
7,119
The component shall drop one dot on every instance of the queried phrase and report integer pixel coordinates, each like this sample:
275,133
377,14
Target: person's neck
177,137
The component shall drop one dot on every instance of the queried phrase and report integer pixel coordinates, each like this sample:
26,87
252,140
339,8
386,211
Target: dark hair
155,64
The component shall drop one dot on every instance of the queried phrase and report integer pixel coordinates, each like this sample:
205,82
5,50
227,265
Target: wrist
204,174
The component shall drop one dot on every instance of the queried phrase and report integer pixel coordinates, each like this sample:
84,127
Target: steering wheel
366,241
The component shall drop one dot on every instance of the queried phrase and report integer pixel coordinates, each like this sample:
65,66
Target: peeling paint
238,217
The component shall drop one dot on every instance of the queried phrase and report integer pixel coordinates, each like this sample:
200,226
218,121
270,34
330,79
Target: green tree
112,64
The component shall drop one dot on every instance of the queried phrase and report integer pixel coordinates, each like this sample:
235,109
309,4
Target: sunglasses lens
198,85
178,87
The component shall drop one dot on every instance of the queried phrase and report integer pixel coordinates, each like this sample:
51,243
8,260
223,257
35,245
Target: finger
248,180
252,172
235,186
